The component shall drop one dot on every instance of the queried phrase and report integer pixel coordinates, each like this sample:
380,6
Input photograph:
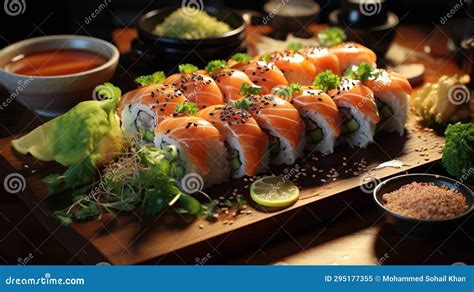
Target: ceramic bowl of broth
51,74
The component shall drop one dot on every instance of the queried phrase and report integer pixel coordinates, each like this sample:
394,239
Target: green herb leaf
215,65
326,81
294,46
187,68
241,57
243,103
87,211
331,36
247,88
287,91
240,201
154,78
362,72
63,217
266,58
76,175
189,205
187,107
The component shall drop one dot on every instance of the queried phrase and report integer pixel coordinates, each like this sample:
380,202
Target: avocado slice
352,126
235,163
317,135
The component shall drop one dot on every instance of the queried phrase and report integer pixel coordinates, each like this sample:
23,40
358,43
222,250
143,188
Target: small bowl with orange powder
424,205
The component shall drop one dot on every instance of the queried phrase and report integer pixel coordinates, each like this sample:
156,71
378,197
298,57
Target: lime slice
35,143
274,191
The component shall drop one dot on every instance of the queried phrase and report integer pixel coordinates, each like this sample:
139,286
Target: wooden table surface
352,237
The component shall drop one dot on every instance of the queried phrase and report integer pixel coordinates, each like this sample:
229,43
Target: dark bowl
423,228
378,38
290,17
163,53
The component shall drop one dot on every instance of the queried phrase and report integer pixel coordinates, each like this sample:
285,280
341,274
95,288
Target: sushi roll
320,114
350,53
295,67
228,80
283,125
358,111
247,144
322,59
261,73
141,109
196,85
194,146
392,95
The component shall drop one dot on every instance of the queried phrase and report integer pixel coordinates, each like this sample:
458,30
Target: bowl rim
313,8
333,17
110,61
154,12
469,209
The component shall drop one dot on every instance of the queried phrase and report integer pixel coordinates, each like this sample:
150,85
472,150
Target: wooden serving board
170,238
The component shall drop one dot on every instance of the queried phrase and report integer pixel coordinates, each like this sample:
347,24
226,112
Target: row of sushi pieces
237,117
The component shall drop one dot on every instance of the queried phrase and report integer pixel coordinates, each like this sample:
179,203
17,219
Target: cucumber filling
234,158
177,170
385,111
314,136
143,123
349,124
273,146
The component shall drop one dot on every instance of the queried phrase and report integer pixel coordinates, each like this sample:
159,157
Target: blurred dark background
69,16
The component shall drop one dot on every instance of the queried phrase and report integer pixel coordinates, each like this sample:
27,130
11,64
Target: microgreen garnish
362,72
187,68
247,88
288,91
294,46
241,57
154,78
331,36
326,81
137,179
243,103
266,58
187,107
215,65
